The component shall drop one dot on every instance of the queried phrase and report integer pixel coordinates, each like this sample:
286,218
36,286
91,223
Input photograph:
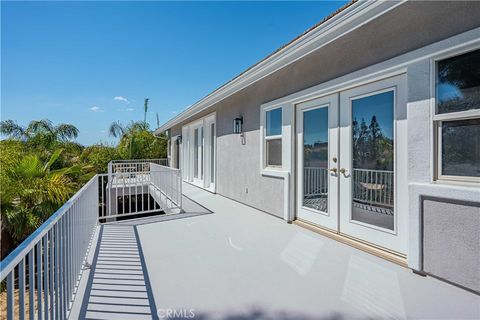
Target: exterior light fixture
179,140
237,125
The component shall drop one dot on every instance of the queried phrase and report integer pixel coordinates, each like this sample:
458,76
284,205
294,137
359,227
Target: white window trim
437,119
275,171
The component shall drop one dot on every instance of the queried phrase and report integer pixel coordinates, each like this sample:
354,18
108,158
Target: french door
317,157
199,152
351,168
198,156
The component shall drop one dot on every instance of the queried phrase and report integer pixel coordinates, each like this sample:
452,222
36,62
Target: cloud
126,109
120,98
174,112
95,109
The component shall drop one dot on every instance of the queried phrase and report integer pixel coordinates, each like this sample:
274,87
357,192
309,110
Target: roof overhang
345,21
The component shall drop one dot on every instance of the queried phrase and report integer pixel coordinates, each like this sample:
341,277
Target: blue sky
91,63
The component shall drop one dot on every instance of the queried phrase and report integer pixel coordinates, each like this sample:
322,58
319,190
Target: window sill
461,192
274,172
467,183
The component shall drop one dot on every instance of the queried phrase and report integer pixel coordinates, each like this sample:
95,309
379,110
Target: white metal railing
373,187
134,165
315,181
150,188
43,271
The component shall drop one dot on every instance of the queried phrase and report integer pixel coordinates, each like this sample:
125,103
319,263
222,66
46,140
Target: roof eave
357,14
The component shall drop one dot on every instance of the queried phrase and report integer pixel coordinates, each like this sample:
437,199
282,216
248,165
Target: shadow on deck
118,285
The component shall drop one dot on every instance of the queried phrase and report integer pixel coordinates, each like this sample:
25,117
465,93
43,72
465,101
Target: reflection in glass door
317,140
373,155
373,163
315,159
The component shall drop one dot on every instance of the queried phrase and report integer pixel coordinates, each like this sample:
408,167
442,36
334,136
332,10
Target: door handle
334,170
343,171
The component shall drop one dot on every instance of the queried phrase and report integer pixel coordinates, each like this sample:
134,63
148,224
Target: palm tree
31,191
128,132
39,132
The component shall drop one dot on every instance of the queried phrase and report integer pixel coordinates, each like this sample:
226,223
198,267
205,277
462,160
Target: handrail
137,160
21,251
49,263
139,190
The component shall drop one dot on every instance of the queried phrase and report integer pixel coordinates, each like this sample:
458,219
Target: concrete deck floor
240,263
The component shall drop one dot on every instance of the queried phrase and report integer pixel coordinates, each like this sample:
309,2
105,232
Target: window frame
439,118
265,139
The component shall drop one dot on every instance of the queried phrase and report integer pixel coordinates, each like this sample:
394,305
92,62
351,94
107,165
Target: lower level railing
43,272
123,194
134,165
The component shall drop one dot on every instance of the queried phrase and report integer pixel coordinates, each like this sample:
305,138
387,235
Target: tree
39,133
375,134
145,110
99,155
137,141
31,190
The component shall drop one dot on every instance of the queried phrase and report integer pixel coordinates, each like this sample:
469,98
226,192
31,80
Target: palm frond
116,129
66,132
44,126
52,159
11,129
29,167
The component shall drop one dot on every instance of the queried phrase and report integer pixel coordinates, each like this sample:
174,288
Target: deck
225,260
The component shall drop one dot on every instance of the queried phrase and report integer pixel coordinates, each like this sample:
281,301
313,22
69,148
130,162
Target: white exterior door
210,142
352,175
373,166
317,161
199,152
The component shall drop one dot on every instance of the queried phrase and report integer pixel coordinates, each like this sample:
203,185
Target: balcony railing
44,270
42,273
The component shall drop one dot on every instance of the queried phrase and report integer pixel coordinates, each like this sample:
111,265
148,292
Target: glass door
317,165
373,163
210,138
197,153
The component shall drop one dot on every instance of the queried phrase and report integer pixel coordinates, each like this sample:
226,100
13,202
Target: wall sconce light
237,125
179,140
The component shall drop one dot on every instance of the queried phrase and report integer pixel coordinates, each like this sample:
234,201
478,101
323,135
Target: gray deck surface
240,263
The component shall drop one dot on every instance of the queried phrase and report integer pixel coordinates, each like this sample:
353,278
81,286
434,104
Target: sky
92,63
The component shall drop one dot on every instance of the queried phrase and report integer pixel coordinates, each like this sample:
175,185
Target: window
457,117
273,137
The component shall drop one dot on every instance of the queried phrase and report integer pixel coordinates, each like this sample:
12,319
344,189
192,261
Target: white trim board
347,20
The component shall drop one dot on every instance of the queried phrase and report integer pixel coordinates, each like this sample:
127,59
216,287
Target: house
366,129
